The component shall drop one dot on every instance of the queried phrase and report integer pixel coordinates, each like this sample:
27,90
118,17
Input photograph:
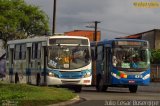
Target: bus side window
17,52
29,55
23,51
36,50
20,52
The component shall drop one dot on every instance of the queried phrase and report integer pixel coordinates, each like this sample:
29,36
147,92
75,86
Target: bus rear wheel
133,88
78,88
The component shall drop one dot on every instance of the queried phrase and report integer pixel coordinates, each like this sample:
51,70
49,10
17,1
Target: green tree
20,20
155,56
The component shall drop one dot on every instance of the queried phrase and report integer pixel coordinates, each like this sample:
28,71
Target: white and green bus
51,60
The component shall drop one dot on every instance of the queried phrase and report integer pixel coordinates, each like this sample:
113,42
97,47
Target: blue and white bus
120,63
52,60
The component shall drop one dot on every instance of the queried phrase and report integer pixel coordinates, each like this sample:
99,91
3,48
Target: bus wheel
133,88
16,78
78,88
100,87
38,79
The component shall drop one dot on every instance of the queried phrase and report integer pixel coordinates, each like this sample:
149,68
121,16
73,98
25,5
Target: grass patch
27,95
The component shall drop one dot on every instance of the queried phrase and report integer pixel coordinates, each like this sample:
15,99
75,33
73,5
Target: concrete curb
67,103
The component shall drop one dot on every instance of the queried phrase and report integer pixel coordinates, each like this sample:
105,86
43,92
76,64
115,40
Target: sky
117,17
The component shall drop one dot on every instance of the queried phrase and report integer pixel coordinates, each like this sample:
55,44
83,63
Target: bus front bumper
131,81
60,81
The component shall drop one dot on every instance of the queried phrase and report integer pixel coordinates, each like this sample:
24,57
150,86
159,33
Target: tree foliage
155,56
20,20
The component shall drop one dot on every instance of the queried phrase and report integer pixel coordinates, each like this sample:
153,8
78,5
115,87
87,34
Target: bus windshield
68,57
130,57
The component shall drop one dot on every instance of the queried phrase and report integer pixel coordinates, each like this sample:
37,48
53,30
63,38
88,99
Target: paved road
121,96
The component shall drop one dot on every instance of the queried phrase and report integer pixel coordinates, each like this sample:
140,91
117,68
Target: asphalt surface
145,96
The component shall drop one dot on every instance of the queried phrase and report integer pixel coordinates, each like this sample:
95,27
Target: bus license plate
131,82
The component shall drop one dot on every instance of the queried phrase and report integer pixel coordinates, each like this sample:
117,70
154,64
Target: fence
155,72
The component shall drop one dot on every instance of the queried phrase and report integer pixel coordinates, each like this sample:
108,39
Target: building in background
86,33
153,36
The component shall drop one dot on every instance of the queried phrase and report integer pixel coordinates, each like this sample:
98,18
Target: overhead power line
119,32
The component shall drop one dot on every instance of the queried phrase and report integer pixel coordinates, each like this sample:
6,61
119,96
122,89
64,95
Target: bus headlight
88,74
52,74
115,75
146,77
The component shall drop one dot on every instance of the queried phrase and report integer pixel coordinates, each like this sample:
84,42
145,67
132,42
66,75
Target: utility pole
54,17
94,39
95,31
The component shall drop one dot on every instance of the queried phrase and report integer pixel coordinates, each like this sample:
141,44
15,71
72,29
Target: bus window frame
35,50
19,56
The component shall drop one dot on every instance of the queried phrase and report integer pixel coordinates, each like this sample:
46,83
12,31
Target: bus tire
133,88
100,87
78,88
38,79
16,78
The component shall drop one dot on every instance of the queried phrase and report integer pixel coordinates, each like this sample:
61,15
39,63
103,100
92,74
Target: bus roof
42,38
110,41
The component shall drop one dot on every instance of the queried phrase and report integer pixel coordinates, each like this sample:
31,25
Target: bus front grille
70,82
